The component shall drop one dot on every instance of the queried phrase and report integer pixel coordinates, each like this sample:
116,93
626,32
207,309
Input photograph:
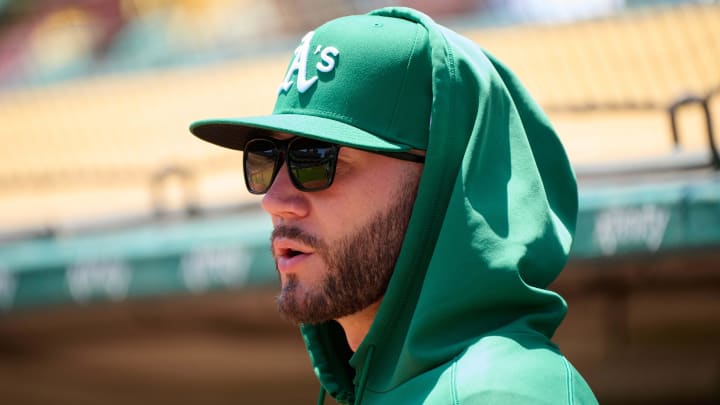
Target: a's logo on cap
326,64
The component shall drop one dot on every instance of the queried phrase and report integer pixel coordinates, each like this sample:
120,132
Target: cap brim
233,133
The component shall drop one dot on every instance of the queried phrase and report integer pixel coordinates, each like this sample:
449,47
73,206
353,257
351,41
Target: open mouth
290,253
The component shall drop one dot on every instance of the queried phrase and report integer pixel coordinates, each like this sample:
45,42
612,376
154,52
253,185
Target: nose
283,201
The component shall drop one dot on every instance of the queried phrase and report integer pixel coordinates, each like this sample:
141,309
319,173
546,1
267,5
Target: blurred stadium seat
601,80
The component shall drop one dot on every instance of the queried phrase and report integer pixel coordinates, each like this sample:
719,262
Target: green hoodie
467,318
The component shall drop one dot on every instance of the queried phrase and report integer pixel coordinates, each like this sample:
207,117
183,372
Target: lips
290,254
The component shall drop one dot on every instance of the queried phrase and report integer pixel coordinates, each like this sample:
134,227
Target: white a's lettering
299,64
329,64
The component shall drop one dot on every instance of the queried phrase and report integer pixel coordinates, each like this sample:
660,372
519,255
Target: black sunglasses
310,162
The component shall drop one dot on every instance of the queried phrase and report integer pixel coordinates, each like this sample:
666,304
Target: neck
357,325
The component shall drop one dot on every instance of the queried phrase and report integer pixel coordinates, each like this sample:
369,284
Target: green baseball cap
363,81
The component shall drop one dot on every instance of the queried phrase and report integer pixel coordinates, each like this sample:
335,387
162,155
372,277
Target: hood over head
491,227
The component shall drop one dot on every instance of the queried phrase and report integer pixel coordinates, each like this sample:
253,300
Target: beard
359,265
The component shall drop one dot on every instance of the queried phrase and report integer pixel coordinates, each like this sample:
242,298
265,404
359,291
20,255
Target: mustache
293,232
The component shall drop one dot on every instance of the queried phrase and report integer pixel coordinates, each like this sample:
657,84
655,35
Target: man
421,203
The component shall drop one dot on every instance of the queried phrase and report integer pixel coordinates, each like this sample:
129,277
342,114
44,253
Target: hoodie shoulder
517,369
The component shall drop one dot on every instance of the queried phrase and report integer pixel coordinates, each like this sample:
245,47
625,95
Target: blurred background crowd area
46,41
96,95
134,266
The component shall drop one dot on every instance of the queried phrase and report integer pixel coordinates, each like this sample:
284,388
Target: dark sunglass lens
312,163
260,162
